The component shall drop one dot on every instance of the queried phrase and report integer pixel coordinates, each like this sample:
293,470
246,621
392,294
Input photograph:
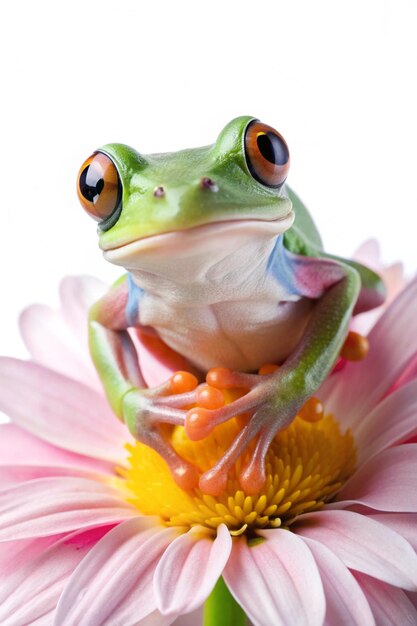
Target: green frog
226,269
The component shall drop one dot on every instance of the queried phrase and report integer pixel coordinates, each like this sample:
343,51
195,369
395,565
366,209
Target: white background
338,79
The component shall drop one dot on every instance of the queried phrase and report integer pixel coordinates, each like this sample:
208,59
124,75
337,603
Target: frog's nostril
208,183
159,192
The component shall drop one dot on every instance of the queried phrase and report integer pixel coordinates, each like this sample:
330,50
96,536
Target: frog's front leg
142,409
274,400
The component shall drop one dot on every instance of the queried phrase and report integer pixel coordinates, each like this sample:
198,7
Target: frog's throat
208,252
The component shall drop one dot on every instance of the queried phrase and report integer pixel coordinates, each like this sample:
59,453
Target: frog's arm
274,400
116,361
111,346
304,238
297,241
373,292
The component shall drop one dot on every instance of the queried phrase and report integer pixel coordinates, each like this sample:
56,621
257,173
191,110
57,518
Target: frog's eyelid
110,221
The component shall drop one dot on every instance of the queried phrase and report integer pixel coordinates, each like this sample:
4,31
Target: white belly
241,335
209,295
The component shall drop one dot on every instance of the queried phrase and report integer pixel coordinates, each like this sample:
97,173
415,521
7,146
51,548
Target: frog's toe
185,475
225,378
214,481
252,478
144,413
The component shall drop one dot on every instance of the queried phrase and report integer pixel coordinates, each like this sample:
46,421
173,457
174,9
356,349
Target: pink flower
76,550
394,278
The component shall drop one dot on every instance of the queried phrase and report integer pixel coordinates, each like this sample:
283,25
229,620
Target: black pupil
91,183
272,148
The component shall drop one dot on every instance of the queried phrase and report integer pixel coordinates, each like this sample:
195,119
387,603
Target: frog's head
137,198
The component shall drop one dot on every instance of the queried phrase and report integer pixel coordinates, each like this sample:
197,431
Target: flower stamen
305,466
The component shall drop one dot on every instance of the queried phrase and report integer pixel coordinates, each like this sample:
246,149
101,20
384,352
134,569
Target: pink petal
113,584
392,275
32,590
388,482
345,603
19,447
409,374
15,554
50,506
51,343
389,605
353,392
11,475
45,620
153,619
412,597
191,619
276,581
363,544
404,524
177,588
60,410
369,253
77,294
393,420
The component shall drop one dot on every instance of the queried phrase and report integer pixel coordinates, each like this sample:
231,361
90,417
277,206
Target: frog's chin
214,238
190,256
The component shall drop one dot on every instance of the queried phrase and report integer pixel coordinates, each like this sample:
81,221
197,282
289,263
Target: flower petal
49,506
32,590
11,475
177,588
393,342
369,253
409,374
19,447
191,619
113,584
363,544
276,581
388,482
389,604
413,598
51,343
77,294
404,524
392,420
60,410
393,277
346,604
15,554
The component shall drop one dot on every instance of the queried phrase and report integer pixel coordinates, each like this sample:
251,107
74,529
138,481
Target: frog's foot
265,414
146,410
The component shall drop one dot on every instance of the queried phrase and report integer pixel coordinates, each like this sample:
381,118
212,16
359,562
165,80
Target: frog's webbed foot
146,410
270,404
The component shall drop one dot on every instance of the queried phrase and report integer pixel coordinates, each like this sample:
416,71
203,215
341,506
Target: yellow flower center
306,465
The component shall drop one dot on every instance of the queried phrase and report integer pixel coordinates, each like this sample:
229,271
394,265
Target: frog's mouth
214,241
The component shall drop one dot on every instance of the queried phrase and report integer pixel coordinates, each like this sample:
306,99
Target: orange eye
267,154
98,186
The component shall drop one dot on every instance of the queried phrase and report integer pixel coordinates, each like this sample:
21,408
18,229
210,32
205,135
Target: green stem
221,609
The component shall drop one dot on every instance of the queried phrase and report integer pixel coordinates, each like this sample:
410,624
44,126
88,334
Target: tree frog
225,268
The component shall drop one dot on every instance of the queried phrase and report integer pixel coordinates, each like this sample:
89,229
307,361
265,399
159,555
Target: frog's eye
99,187
267,155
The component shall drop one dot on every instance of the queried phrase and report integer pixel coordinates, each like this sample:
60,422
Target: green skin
272,400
